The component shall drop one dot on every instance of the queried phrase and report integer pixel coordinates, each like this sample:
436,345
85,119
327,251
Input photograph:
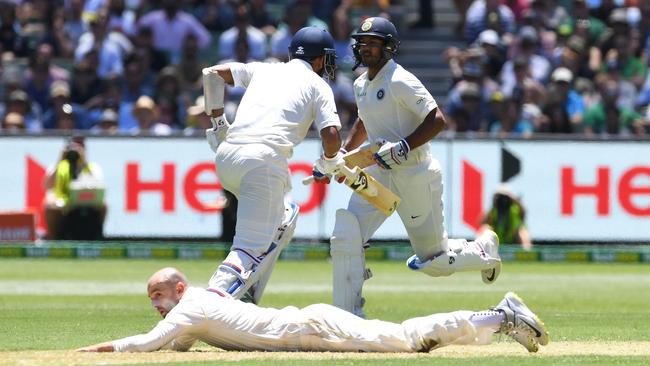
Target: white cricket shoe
521,323
490,242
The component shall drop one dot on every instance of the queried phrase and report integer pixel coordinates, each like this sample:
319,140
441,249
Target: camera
71,154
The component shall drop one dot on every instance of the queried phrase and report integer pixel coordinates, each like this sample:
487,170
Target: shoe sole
544,338
489,276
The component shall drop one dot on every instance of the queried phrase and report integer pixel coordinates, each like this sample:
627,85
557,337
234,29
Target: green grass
50,304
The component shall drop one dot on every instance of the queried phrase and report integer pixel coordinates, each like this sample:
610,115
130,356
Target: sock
488,319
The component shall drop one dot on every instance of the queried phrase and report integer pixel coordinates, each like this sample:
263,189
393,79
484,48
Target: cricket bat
375,193
362,156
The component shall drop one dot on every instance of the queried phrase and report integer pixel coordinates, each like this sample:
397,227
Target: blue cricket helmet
312,42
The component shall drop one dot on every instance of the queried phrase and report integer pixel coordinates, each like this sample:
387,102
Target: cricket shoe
489,240
521,323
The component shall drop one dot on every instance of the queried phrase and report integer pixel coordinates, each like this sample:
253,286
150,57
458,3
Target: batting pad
348,262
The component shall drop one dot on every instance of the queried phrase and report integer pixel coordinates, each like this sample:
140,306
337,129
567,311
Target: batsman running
397,111
281,102
194,314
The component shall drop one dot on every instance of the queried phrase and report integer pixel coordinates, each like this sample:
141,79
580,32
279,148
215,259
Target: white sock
488,319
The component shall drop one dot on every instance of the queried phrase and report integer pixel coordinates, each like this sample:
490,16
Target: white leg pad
236,274
282,239
349,263
462,256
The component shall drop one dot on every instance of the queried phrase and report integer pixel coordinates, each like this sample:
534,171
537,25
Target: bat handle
308,180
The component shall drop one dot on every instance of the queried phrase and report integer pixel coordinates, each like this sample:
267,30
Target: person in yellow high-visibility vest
72,166
506,217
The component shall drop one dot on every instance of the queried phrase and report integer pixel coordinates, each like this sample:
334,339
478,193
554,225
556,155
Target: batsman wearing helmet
281,102
397,111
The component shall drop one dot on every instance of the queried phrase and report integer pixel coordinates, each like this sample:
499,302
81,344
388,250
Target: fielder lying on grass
192,314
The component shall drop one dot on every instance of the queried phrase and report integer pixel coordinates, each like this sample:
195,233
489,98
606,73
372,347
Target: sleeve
413,96
575,104
177,331
162,336
242,74
325,107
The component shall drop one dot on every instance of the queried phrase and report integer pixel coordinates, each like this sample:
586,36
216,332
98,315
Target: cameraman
70,215
506,218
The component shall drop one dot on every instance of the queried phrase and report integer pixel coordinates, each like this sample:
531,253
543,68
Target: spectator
562,79
121,19
13,122
170,26
190,67
468,117
538,66
19,103
215,15
627,93
64,118
631,67
341,31
74,25
507,218
137,79
584,21
74,203
255,37
59,97
524,89
145,113
512,121
11,39
555,118
152,59
261,19
111,47
170,96
107,124
489,14
607,118
298,15
197,120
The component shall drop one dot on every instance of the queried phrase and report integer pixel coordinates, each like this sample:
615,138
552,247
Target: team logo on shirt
380,94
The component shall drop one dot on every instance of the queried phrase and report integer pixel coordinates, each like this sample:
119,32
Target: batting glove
217,133
325,167
391,154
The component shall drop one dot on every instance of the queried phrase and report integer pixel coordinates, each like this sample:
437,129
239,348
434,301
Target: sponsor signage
168,187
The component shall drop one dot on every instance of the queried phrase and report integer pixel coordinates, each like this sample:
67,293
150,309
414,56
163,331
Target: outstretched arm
162,336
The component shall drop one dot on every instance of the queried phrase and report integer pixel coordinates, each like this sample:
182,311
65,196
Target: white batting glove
325,167
217,133
391,154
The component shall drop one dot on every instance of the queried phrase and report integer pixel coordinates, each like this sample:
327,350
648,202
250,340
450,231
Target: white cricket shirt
393,104
280,104
221,322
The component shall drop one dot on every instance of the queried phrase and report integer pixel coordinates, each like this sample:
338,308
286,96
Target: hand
325,167
391,154
217,133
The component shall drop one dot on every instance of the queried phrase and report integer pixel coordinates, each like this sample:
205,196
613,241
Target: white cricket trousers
328,328
419,185
258,176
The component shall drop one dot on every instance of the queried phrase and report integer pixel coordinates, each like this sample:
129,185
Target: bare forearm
331,141
356,137
432,125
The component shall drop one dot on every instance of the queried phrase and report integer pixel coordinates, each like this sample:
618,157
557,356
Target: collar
388,66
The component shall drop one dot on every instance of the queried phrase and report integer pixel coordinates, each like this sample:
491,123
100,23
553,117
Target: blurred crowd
531,66
134,66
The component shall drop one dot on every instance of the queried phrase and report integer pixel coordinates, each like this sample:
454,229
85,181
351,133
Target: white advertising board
167,186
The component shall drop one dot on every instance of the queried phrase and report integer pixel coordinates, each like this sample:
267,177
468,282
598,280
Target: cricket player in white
397,111
281,102
194,314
